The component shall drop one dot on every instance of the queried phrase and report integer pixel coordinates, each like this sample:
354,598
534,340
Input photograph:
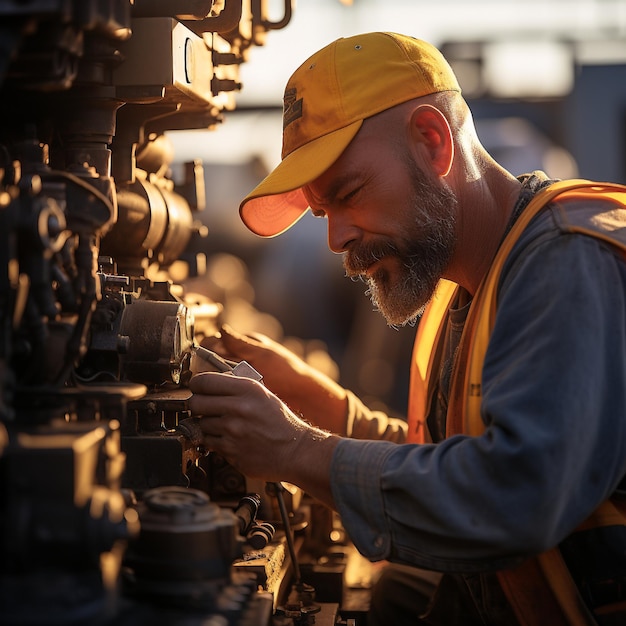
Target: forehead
356,161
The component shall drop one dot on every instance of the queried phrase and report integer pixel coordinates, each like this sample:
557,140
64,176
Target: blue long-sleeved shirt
554,406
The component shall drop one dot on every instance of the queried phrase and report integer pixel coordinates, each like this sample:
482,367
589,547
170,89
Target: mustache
362,255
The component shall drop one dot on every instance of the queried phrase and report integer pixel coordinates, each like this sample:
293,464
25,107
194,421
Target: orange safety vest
541,591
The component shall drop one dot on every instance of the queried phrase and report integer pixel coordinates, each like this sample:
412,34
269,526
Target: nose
341,231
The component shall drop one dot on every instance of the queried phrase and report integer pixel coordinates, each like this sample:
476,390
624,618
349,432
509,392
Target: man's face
394,224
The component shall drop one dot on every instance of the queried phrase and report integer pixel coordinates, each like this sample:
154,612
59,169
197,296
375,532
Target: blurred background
546,81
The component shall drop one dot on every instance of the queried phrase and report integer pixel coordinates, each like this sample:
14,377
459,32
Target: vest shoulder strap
426,359
483,310
428,344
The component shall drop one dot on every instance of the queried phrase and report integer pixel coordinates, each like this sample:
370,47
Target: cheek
387,208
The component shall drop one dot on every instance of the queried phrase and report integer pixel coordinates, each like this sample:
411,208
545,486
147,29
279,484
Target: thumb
227,343
229,335
238,344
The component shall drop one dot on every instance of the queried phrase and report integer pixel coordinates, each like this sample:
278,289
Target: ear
430,127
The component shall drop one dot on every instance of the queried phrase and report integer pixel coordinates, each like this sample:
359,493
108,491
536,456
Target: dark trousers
408,596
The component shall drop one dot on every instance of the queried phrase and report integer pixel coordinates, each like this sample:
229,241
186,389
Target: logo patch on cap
292,107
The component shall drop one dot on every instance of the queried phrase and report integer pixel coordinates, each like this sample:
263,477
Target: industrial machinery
111,512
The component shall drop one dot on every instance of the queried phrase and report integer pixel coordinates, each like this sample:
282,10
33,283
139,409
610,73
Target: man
518,424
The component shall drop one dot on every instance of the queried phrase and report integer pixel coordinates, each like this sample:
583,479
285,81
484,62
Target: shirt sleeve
554,446
365,423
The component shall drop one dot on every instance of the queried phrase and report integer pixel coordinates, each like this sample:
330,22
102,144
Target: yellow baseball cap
326,100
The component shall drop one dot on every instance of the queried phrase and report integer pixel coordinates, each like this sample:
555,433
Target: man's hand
259,435
303,388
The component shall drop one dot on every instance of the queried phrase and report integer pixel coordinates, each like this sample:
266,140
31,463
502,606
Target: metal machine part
111,511
184,549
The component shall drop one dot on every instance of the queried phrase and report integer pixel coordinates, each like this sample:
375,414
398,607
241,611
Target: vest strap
427,352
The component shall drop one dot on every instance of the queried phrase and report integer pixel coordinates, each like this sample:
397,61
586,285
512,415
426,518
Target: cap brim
277,202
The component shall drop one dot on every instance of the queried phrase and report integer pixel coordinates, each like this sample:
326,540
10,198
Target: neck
485,208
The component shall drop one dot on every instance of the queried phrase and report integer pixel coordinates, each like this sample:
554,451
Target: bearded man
495,492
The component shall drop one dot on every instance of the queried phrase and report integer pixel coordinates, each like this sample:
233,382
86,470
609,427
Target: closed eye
346,197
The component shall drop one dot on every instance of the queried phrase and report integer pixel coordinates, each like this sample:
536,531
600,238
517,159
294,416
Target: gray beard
423,254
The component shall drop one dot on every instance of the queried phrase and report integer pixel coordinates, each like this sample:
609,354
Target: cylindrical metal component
184,537
160,341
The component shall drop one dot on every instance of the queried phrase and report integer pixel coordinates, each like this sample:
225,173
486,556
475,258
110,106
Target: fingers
214,438
215,393
242,345
211,427
217,383
216,400
227,406
232,345
240,420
